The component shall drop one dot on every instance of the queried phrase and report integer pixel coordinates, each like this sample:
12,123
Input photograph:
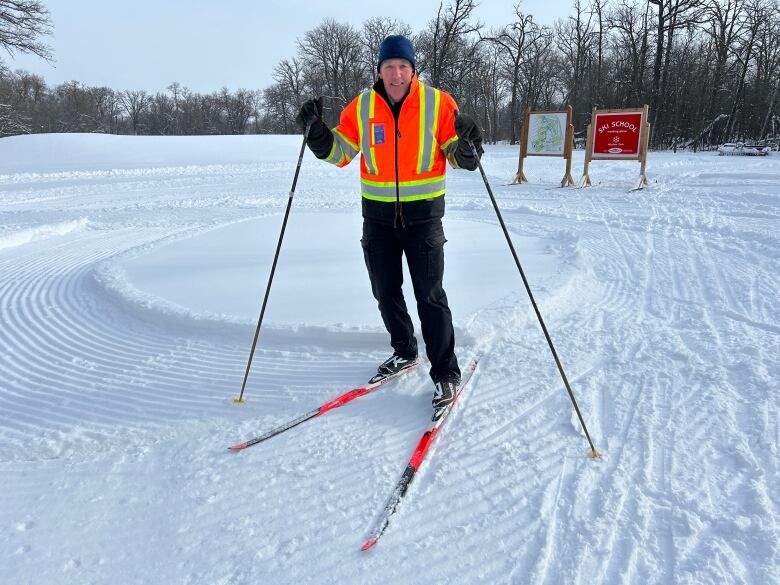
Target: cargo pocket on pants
434,250
366,245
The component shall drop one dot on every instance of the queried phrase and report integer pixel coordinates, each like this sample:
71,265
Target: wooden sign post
547,134
618,134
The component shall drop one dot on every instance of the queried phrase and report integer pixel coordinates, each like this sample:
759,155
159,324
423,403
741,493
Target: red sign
617,135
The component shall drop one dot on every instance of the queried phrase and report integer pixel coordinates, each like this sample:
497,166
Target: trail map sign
547,134
618,134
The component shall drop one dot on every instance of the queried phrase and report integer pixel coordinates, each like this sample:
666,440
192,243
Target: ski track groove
45,305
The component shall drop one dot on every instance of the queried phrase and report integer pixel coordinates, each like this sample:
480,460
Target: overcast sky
208,44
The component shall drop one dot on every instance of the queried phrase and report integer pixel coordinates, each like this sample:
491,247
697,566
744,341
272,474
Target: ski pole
594,452
240,398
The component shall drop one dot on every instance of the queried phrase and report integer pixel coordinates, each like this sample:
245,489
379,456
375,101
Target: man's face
396,74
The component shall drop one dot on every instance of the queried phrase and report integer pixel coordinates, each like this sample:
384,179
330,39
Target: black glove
320,138
311,111
467,131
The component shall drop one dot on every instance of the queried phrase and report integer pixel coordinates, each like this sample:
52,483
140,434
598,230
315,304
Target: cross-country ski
420,452
337,402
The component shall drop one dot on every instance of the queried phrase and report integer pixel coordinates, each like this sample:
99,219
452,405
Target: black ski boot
446,390
392,365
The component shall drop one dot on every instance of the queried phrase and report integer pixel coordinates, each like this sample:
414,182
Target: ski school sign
618,134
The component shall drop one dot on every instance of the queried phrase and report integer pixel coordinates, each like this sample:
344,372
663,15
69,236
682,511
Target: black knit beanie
396,47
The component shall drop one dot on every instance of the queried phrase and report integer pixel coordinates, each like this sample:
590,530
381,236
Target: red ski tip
238,447
371,542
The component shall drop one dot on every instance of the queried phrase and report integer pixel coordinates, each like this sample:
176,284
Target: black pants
423,245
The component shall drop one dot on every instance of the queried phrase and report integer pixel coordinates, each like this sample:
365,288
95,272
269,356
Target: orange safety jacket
403,163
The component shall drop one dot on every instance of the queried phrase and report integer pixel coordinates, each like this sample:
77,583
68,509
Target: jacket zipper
399,211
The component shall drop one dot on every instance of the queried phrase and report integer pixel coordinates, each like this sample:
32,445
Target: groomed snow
132,274
322,278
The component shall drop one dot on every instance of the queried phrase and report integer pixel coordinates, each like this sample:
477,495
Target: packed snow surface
133,269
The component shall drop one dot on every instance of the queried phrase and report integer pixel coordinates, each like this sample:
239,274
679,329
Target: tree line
709,69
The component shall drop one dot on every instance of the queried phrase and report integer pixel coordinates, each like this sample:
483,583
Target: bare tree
628,23
22,23
374,31
135,104
598,7
756,13
574,39
77,110
210,114
331,53
683,100
513,42
238,108
672,15
539,70
176,92
105,103
723,26
160,115
768,66
489,90
290,77
188,112
12,122
279,111
442,44
288,91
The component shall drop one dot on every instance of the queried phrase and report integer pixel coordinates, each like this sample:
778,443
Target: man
406,132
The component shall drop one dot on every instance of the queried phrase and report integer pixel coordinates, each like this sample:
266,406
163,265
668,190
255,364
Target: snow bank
41,154
12,238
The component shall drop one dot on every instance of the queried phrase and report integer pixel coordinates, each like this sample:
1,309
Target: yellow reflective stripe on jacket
365,111
342,150
450,145
404,198
449,149
407,190
429,122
